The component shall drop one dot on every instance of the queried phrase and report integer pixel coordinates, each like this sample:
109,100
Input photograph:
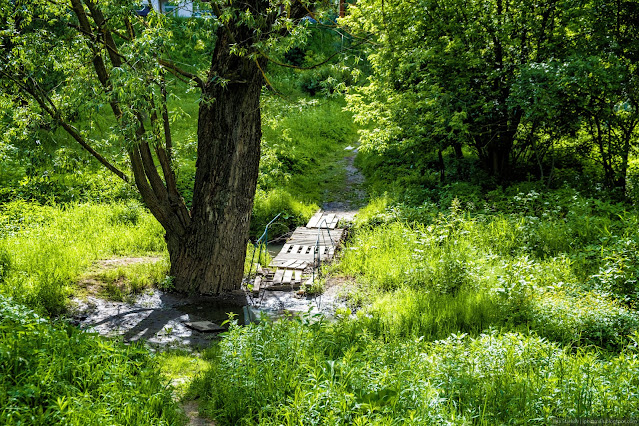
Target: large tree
59,58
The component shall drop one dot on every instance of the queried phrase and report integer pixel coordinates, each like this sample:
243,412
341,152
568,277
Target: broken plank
204,326
288,275
314,220
288,263
256,284
301,264
283,287
327,220
258,269
298,277
333,224
277,278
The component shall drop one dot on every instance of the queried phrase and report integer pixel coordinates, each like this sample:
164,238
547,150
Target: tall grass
296,372
46,248
55,374
465,274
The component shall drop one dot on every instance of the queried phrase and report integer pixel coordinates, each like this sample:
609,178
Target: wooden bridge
305,250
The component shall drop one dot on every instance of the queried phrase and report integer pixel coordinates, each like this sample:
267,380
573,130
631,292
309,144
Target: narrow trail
346,203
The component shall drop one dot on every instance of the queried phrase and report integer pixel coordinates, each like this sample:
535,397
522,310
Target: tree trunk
209,256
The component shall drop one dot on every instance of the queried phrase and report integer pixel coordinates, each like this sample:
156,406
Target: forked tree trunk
209,256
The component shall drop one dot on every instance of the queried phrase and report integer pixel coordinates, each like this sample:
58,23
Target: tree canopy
64,61
498,76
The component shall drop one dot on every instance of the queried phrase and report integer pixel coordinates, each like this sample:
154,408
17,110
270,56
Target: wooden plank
289,262
309,239
296,249
285,248
300,264
298,277
277,279
327,220
256,284
314,220
283,287
333,224
288,276
204,326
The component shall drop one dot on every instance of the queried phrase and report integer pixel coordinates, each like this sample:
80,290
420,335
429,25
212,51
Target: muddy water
160,318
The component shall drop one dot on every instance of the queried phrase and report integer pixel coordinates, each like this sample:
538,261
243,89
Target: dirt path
347,202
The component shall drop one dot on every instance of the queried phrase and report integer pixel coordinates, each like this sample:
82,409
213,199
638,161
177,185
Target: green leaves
56,374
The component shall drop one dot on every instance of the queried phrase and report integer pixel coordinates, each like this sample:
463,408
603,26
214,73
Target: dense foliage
467,298
513,80
54,374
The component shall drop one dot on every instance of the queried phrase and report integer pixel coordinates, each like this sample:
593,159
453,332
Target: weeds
296,372
56,374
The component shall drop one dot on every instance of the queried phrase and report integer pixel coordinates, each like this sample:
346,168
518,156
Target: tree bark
209,256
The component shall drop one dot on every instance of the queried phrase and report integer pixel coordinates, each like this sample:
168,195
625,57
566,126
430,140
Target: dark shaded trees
489,74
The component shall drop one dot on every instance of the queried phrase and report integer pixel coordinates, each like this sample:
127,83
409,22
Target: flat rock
204,326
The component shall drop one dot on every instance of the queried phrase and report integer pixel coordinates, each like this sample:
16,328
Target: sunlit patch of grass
125,281
181,368
48,248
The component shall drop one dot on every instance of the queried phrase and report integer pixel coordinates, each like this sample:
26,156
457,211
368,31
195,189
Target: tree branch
175,69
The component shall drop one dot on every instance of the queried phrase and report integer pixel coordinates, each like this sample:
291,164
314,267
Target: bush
583,319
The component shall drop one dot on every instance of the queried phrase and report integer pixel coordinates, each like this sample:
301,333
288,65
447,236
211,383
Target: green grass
296,372
52,373
303,141
46,248
519,311
125,282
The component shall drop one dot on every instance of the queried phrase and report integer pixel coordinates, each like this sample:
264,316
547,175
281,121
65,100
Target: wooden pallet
317,240
283,279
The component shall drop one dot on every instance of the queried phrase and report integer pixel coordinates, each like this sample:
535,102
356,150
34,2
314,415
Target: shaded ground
160,318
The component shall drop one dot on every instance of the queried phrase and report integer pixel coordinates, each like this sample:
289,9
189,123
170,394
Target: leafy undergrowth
519,311
52,373
313,372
